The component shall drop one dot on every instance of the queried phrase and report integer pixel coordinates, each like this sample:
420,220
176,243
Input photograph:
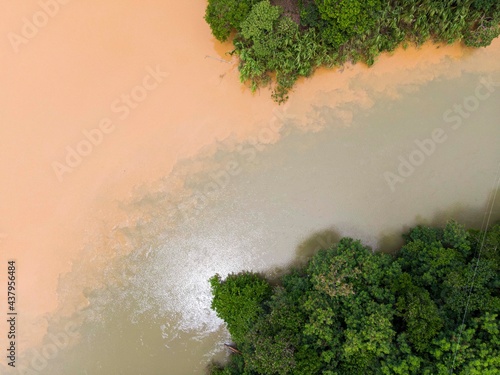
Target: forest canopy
431,308
287,39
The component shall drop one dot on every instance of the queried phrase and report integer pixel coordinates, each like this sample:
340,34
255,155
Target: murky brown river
135,165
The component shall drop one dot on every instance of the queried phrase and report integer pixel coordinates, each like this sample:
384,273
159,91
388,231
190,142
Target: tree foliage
433,308
332,32
238,300
347,18
225,16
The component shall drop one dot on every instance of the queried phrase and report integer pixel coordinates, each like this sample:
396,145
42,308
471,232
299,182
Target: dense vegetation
433,308
290,38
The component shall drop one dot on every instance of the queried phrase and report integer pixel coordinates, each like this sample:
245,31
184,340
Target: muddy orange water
112,113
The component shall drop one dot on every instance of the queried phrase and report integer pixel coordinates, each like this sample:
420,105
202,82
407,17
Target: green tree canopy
432,308
225,16
332,32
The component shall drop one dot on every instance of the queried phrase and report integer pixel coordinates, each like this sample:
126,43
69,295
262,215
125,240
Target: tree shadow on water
476,217
323,239
390,242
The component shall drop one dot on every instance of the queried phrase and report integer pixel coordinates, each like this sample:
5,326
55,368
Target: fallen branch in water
216,58
232,348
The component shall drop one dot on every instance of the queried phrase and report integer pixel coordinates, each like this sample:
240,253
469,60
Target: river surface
135,166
